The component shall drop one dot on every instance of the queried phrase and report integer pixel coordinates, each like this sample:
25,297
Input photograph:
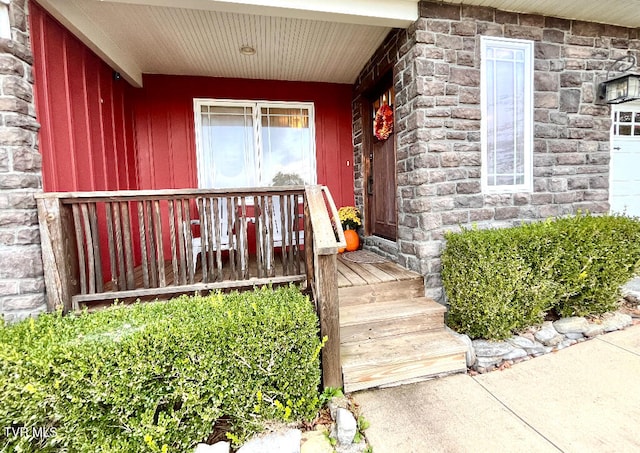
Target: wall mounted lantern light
621,88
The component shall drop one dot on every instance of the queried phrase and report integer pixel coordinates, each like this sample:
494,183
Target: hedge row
500,281
155,377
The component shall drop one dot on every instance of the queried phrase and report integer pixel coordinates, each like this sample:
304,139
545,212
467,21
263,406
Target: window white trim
527,47
5,23
256,108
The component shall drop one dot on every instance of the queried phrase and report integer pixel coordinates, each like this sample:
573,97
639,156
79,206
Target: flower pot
353,240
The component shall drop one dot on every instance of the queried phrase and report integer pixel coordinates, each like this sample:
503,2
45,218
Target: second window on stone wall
507,114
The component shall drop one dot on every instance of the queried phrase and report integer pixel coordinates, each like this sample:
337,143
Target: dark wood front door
381,184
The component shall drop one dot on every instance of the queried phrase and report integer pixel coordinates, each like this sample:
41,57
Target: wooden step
389,360
381,292
397,317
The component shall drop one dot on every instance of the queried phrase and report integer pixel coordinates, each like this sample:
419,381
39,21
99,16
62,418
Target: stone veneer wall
437,114
21,273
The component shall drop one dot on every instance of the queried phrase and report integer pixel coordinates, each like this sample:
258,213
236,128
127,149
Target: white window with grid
254,144
507,115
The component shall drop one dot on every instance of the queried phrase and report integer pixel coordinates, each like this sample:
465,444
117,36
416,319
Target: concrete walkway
585,398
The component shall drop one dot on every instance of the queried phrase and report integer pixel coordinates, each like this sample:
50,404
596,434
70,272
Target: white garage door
625,160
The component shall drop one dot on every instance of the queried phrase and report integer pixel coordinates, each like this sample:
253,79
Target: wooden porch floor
352,273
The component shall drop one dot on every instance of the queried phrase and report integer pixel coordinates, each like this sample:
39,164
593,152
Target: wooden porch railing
322,275
101,246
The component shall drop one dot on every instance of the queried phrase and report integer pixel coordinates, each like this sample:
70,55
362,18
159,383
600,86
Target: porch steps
390,318
391,334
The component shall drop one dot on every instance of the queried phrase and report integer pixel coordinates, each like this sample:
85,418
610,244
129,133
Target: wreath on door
383,124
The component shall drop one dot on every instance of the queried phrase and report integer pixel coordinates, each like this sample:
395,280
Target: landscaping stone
491,353
336,403
565,343
574,335
534,343
470,355
615,321
631,290
485,363
351,448
594,330
573,324
486,348
315,442
548,335
218,447
282,442
528,344
346,426
515,353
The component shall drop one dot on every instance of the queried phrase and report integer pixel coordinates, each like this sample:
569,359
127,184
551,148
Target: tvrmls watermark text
34,432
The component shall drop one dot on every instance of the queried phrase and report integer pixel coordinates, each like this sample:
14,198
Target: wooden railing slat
143,244
97,257
260,246
203,238
122,281
244,246
128,245
231,210
181,244
82,264
289,228
283,233
189,241
151,232
218,230
110,241
271,270
172,238
88,239
210,239
162,278
296,229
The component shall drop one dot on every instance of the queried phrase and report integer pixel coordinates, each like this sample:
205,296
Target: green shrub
155,377
491,288
501,281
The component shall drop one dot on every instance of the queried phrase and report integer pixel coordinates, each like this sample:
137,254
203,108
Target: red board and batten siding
87,133
166,138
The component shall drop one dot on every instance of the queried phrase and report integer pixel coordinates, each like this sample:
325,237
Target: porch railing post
328,307
59,254
325,250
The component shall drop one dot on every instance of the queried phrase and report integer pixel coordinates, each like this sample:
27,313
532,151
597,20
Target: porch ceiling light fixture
247,50
621,88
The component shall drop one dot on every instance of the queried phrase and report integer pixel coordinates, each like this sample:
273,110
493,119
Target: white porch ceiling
302,40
